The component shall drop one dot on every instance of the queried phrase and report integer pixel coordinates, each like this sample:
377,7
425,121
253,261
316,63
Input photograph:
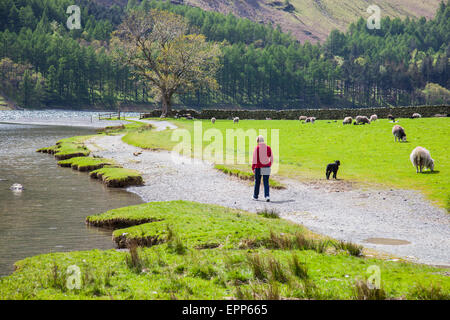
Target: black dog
333,167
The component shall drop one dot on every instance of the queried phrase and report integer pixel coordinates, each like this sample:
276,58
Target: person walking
262,161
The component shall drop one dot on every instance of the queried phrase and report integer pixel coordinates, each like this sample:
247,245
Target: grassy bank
85,163
73,153
368,154
212,252
68,148
117,177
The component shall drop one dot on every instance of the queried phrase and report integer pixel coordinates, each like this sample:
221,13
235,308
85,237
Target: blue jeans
258,183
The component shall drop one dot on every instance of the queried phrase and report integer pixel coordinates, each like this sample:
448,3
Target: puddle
387,241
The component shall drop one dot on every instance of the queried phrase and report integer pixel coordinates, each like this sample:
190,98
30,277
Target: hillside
43,64
313,20
301,17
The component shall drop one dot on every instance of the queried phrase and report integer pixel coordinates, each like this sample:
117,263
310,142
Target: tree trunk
166,105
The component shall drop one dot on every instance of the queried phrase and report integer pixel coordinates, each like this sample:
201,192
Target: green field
368,154
211,252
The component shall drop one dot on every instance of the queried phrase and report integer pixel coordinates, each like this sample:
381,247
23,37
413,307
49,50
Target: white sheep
310,119
236,120
420,158
213,120
302,118
416,115
373,118
362,120
399,133
347,120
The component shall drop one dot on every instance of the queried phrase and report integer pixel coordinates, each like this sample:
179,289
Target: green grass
181,268
68,148
85,163
368,154
117,177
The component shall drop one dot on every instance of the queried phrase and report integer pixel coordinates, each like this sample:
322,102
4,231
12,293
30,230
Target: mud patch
387,241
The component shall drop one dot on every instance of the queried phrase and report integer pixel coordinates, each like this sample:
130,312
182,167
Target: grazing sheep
391,117
213,120
333,167
399,133
347,120
416,115
310,119
373,118
268,118
236,120
302,118
420,158
362,120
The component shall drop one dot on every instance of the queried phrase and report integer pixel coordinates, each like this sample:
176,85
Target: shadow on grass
431,172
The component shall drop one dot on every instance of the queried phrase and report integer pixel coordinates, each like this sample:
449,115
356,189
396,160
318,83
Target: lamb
399,133
213,120
236,120
416,115
311,119
302,118
373,118
391,117
333,167
347,120
420,158
362,120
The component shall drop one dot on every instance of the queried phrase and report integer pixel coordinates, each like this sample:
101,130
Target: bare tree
157,47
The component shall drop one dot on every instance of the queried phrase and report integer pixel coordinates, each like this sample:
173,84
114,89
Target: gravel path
331,208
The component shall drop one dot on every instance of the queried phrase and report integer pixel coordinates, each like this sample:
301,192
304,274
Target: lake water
49,215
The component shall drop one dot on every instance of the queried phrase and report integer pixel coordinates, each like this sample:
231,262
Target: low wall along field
324,114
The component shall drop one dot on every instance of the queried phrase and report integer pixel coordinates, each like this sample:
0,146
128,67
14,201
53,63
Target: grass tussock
174,242
271,291
133,259
298,268
363,291
268,213
432,291
352,248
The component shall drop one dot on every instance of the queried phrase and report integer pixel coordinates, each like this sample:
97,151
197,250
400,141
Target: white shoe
253,198
267,199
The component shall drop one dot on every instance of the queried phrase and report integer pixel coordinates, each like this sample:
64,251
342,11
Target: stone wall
320,114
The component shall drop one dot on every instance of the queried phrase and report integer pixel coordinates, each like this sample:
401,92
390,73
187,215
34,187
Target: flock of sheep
420,157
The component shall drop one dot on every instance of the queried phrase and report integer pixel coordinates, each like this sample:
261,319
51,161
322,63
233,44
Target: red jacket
262,156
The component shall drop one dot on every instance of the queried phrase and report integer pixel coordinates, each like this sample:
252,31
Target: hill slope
313,20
